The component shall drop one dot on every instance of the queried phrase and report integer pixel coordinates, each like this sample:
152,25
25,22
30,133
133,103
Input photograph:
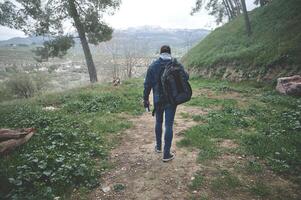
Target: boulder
289,85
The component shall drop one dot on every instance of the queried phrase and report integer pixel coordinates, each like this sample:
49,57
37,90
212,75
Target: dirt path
139,172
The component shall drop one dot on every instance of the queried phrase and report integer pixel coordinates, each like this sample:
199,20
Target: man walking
161,104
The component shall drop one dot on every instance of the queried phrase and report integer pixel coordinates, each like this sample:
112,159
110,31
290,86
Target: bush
21,85
24,85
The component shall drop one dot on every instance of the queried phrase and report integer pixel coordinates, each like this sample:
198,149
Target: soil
140,173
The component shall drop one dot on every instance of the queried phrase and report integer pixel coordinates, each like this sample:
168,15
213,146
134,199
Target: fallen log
11,134
14,138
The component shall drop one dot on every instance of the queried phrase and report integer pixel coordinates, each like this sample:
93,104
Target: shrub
21,85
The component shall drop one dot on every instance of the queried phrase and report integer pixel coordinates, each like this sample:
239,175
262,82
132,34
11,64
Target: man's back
153,77
152,81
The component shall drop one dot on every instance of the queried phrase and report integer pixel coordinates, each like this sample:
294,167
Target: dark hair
165,49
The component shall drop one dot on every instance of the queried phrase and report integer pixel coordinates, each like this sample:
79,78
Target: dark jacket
152,79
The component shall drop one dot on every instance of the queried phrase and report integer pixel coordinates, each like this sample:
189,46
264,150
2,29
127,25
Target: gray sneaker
157,150
171,156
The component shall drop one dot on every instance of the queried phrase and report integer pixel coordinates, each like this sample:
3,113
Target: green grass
70,147
223,86
118,187
254,167
198,118
185,115
197,182
197,137
267,127
260,189
204,197
210,102
225,182
274,42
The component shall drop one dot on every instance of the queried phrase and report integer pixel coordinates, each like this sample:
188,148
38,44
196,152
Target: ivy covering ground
70,146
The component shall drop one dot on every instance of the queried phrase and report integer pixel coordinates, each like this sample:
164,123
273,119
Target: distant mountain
156,36
153,36
24,41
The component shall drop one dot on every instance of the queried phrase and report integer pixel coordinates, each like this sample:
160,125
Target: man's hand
146,103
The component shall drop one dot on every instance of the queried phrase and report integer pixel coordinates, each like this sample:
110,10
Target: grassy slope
266,128
276,33
71,144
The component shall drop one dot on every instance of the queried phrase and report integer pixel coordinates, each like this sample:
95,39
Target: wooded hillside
272,50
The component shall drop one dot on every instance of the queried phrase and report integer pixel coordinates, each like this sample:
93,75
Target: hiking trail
139,172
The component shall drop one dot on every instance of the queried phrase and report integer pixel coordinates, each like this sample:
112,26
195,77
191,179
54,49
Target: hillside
23,41
273,49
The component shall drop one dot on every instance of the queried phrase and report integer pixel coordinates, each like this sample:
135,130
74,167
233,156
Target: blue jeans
170,112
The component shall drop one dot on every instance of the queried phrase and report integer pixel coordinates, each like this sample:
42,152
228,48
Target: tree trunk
261,3
6,134
82,35
232,8
229,12
238,6
247,20
115,68
130,72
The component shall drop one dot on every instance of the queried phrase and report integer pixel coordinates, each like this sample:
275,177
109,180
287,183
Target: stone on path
106,189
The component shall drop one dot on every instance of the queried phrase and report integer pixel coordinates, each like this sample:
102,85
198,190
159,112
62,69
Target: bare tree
131,59
134,52
114,49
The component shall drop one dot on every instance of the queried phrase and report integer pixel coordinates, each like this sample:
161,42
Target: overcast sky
163,13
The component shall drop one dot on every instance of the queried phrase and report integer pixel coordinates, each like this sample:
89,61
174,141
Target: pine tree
224,8
47,17
221,9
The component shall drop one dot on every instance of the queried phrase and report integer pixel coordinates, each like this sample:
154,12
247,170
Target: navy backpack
175,85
